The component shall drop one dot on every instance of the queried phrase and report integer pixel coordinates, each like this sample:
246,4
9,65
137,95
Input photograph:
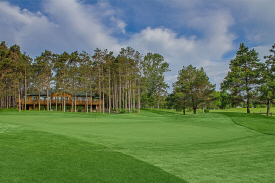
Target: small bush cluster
206,110
122,111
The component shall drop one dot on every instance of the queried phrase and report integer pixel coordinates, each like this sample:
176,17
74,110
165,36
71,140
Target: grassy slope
257,122
35,156
196,148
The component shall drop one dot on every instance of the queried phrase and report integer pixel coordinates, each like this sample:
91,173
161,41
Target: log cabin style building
56,102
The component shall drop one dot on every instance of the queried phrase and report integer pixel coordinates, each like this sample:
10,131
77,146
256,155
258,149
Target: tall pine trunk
39,101
119,91
125,99
182,111
129,96
87,105
91,99
134,98
248,102
123,106
99,95
72,104
139,97
116,95
109,91
13,98
50,100
56,102
25,90
47,94
64,98
91,108
113,92
158,101
75,99
268,107
19,100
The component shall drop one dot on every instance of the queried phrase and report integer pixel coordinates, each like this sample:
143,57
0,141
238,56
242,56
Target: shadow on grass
34,156
256,122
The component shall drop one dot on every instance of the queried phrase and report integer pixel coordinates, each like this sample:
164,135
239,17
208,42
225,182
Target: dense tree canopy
192,89
118,81
129,80
154,68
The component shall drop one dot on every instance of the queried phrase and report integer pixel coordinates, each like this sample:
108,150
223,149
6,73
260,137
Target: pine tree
243,76
61,67
154,68
267,87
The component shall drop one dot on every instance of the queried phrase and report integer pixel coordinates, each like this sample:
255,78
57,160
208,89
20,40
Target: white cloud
263,51
72,25
171,79
161,40
206,51
80,25
69,25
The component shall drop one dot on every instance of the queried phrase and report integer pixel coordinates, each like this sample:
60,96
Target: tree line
248,81
124,82
129,81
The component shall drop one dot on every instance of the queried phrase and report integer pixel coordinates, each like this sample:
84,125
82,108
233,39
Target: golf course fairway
154,146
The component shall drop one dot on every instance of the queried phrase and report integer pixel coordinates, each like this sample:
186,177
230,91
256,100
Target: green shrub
9,110
206,110
258,106
122,111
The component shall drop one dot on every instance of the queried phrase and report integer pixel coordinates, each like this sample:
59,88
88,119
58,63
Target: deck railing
58,101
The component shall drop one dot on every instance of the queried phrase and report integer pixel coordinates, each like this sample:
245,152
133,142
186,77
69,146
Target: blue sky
204,33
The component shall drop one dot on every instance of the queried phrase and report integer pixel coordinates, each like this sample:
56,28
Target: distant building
56,101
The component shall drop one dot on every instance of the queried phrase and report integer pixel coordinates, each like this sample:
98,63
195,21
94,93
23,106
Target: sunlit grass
154,146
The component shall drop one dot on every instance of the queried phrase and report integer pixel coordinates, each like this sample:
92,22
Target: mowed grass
148,147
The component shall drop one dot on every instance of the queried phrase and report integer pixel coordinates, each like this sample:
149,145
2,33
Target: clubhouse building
79,101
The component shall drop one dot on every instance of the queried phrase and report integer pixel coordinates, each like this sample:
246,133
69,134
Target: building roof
52,91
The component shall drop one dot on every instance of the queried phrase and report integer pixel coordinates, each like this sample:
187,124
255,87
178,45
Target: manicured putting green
148,147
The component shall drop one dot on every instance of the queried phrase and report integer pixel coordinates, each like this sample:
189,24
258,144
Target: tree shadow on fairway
34,156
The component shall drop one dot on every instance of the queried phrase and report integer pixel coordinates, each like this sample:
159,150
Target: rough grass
147,147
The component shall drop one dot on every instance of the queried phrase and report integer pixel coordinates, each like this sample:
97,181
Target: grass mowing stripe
35,156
